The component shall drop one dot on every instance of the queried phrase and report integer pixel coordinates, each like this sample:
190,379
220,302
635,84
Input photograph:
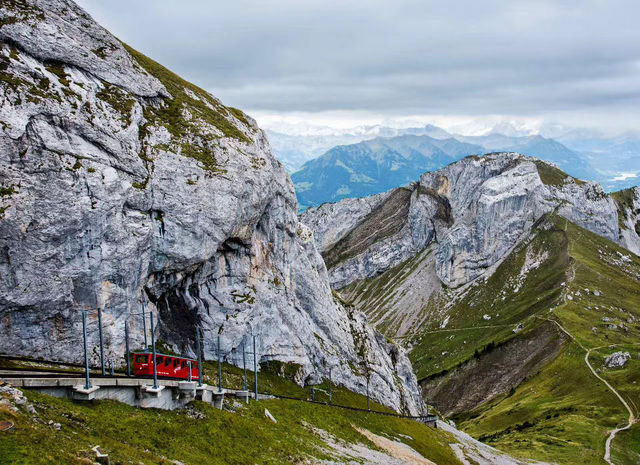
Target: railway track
25,367
11,373
13,358
95,372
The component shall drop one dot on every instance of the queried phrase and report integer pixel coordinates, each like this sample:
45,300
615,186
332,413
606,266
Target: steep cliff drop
124,186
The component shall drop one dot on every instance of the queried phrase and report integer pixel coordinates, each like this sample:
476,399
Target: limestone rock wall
630,220
123,187
474,210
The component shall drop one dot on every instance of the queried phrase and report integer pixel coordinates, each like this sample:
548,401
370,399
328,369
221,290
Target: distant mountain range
299,145
572,162
329,166
374,166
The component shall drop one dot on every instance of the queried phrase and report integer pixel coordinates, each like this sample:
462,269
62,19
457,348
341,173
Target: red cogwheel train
167,366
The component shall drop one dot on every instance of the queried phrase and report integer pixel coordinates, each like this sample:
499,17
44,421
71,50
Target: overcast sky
576,62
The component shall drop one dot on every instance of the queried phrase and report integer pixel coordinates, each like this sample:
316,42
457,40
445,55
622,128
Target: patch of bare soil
396,449
391,453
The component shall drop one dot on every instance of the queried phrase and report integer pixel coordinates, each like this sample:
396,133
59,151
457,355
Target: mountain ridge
492,255
373,166
479,183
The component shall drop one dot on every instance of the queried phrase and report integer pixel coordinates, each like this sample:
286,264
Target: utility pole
87,381
126,345
144,326
255,369
153,344
101,343
244,367
199,349
219,366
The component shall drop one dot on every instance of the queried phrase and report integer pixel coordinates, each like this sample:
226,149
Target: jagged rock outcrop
617,359
123,186
475,210
628,202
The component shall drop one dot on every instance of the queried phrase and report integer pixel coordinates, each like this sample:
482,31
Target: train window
167,361
142,358
159,360
176,363
183,364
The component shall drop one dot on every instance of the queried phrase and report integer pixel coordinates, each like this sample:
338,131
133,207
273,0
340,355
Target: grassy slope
525,423
467,330
501,299
560,414
626,446
133,435
269,383
563,412
377,295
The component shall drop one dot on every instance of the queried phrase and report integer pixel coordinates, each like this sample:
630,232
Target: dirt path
450,330
632,417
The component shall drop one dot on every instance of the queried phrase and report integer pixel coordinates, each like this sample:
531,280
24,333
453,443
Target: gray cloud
466,57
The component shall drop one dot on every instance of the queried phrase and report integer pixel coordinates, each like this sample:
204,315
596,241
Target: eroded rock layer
475,210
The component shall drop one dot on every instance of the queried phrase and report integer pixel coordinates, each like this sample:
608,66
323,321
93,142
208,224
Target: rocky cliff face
123,187
474,211
628,202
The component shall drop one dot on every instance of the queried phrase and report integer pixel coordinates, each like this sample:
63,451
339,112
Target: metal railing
220,356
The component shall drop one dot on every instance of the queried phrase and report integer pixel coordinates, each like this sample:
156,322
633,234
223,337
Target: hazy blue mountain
617,159
576,164
293,150
374,166
585,154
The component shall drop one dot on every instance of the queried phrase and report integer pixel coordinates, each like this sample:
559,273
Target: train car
168,366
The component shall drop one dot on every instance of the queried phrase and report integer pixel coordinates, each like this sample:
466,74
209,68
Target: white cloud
625,176
367,61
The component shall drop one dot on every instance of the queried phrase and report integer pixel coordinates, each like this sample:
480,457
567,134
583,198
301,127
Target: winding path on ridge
632,417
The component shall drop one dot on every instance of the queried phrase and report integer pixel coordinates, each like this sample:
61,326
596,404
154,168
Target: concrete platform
244,395
129,382
40,382
71,381
80,393
138,392
154,391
